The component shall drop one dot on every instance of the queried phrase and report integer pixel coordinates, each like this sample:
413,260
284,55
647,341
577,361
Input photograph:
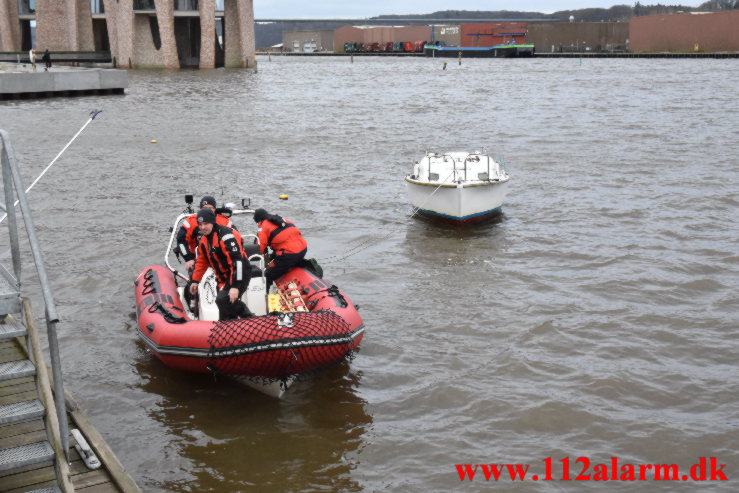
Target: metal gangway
35,411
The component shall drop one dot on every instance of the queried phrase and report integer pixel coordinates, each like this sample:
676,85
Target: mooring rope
373,241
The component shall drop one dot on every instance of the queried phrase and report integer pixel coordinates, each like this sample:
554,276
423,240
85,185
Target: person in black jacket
221,249
46,58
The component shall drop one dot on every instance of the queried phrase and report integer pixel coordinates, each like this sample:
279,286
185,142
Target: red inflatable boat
315,325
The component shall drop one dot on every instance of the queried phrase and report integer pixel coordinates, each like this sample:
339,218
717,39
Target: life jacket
189,234
280,234
222,250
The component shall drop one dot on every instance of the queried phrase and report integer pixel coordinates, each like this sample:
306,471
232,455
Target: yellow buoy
153,141
283,197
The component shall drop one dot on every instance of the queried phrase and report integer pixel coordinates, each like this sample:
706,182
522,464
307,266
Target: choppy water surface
597,317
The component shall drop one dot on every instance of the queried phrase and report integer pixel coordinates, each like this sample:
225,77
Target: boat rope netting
280,346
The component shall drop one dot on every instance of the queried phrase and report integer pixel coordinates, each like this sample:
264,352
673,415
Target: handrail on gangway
13,185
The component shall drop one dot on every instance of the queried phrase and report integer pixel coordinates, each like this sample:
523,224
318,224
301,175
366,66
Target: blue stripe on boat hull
476,216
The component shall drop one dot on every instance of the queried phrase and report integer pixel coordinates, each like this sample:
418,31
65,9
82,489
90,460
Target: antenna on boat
93,114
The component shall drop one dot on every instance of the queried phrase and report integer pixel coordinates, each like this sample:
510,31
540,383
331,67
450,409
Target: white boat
459,187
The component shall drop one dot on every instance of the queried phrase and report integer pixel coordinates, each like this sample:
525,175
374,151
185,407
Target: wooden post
47,397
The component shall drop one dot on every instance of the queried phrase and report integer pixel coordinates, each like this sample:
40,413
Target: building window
143,5
186,5
97,7
26,7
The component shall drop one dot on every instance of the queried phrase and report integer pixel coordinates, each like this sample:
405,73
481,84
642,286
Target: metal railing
13,186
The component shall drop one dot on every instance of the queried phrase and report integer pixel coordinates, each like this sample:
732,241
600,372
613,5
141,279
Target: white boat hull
458,203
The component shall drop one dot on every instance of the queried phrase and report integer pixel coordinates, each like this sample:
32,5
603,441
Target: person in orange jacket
221,249
188,234
284,238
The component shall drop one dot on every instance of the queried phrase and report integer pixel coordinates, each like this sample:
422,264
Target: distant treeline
271,34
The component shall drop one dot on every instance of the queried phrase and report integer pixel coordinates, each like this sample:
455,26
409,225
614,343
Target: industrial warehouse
687,32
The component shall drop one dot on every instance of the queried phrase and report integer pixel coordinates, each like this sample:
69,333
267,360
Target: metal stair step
25,455
17,369
20,411
10,301
11,330
48,489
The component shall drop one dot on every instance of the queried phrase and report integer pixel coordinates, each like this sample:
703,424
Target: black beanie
206,216
260,215
207,200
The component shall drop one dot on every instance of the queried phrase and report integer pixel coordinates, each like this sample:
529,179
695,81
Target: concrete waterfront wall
717,31
60,80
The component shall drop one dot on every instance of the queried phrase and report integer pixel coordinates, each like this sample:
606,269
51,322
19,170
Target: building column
119,20
85,38
165,18
52,25
207,33
239,35
246,13
63,25
10,33
110,23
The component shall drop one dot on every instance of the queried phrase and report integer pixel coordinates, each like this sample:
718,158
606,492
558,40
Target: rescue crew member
221,249
188,234
284,238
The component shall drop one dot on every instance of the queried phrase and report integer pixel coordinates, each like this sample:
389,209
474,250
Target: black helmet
207,200
260,215
206,216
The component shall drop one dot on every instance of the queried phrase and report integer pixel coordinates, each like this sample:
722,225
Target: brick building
138,33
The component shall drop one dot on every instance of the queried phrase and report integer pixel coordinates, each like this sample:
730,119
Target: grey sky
300,9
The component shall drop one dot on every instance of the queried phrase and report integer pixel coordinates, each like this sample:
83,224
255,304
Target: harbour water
596,318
